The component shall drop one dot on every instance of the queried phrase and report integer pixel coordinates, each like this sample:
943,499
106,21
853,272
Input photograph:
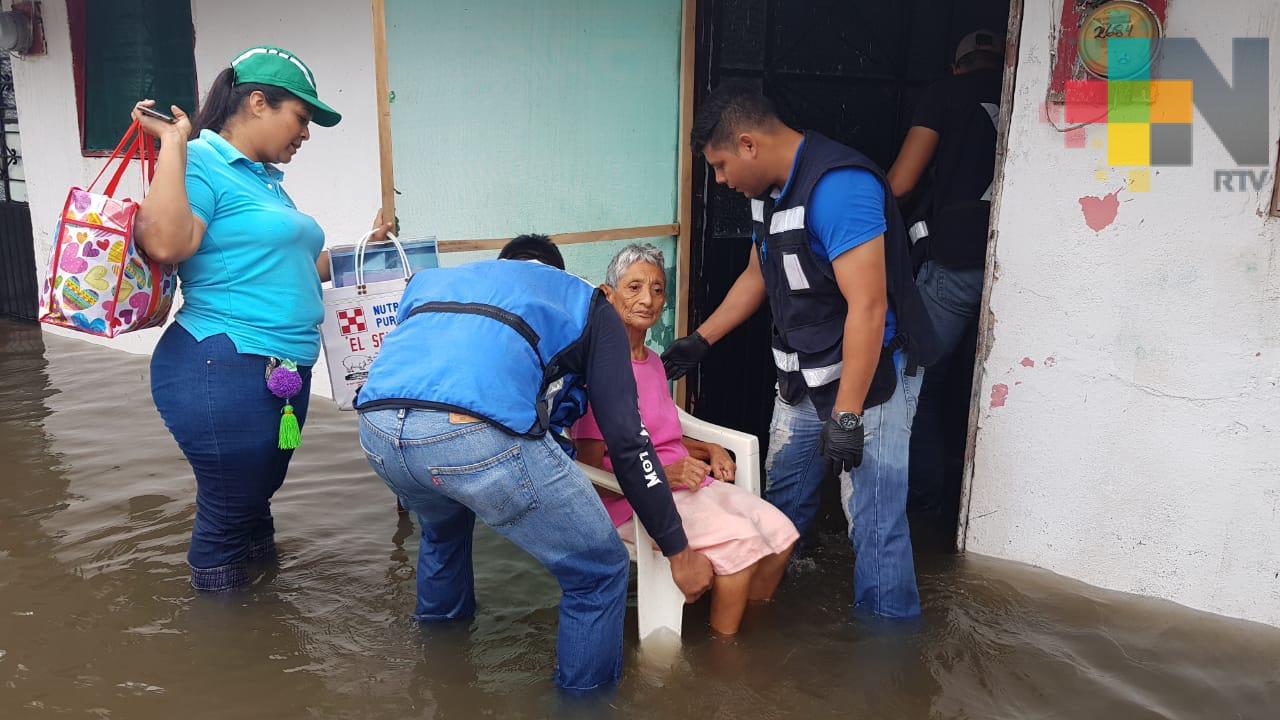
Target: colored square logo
1128,101
1171,101
1149,112
1128,143
1129,58
1171,145
1086,102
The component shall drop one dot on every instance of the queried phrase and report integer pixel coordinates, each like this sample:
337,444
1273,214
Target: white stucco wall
1138,447
334,178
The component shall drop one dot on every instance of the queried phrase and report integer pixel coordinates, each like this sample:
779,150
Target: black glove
684,355
842,448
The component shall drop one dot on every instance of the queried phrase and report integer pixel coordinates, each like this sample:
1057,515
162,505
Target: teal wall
513,116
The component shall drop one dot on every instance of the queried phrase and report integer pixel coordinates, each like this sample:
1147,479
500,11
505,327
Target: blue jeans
216,404
952,298
450,470
884,577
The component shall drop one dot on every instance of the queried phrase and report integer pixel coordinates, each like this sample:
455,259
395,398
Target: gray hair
630,255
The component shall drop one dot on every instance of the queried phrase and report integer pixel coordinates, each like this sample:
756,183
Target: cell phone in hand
156,114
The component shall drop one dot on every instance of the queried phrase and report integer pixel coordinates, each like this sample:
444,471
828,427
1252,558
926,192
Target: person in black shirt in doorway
954,128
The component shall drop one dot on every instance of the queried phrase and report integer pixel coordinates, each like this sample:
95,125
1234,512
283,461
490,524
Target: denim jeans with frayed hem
450,471
216,404
874,495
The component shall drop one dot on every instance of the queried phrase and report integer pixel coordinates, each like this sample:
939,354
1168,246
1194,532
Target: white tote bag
356,318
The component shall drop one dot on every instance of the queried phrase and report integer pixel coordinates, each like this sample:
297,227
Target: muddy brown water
97,618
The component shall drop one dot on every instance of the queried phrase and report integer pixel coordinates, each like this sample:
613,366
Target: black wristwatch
847,420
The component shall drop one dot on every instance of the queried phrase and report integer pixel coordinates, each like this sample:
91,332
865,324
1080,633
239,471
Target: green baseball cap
269,65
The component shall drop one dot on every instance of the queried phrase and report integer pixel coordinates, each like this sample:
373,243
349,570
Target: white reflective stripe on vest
757,210
785,220
796,278
817,377
918,231
786,362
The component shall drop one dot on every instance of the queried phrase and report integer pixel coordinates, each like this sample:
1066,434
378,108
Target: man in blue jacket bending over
486,358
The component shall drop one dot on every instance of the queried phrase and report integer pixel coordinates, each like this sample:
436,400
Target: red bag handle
129,154
140,147
150,156
129,136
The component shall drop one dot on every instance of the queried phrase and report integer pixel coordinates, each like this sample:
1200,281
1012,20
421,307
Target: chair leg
661,604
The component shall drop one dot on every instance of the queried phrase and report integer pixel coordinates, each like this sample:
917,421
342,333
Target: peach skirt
731,526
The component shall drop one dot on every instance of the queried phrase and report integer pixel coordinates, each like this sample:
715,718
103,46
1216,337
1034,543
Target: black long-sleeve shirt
604,360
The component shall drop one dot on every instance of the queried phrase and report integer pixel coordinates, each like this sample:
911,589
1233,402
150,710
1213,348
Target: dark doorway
17,249
851,69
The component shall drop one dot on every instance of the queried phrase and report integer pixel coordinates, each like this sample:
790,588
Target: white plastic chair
661,604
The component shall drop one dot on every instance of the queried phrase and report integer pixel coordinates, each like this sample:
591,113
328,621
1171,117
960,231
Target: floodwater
97,619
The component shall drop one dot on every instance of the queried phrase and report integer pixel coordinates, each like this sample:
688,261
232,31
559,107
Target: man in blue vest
850,330
486,358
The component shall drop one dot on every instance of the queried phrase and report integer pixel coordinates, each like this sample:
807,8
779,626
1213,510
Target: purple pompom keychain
284,382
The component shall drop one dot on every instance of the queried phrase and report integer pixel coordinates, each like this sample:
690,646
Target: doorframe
684,180
1013,35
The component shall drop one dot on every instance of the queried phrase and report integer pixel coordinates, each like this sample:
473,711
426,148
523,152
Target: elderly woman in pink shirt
747,540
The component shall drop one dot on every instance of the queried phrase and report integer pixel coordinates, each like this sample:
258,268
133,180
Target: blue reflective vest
808,306
484,339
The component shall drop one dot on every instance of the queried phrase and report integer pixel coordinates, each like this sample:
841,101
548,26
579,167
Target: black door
17,252
851,69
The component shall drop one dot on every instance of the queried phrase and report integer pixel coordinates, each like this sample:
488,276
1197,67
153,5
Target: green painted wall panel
511,116
553,116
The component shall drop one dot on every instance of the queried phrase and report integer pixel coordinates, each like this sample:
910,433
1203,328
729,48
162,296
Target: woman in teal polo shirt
250,266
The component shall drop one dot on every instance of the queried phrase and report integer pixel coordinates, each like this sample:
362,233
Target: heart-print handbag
99,281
